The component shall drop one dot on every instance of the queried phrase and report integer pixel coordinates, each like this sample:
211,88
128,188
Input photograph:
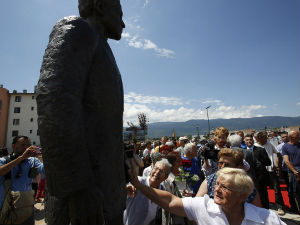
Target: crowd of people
224,178
181,181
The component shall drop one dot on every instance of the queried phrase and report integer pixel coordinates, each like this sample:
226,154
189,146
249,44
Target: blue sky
177,56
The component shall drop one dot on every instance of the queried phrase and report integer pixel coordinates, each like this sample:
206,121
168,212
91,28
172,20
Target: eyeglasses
223,187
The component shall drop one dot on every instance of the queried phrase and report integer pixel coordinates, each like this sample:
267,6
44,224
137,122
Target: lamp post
197,127
208,120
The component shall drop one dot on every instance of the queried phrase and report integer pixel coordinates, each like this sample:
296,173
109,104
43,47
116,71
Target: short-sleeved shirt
140,210
20,181
293,151
279,148
205,211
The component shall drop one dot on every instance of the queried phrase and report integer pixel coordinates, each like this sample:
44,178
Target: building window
30,131
17,110
0,104
33,97
15,133
37,133
31,119
18,98
32,108
16,121
33,143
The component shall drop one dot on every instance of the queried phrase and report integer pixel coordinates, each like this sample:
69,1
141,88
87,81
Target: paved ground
39,214
288,218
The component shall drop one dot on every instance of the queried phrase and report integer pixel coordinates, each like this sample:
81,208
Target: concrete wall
27,118
4,104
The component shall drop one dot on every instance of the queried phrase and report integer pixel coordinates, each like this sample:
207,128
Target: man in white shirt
182,142
275,139
139,209
274,169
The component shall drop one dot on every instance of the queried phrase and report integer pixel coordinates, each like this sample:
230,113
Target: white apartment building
22,118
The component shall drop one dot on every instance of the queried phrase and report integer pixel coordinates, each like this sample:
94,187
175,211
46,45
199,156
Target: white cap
183,138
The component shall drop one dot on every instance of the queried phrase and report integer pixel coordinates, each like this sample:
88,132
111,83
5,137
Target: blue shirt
243,145
279,148
293,151
23,181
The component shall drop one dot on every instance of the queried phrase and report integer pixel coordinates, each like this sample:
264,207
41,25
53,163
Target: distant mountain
189,127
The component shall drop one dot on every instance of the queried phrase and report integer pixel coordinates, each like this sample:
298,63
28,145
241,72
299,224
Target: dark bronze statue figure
80,116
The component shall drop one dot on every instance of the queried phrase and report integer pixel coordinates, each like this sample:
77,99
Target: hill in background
189,127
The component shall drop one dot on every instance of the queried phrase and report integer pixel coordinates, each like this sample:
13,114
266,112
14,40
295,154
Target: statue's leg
56,210
116,220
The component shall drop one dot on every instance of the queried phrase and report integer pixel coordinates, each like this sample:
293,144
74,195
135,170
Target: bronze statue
80,116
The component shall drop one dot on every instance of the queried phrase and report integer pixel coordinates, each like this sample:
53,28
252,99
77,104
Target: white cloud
146,3
259,115
227,112
147,44
132,37
134,43
125,35
298,103
132,97
216,101
254,107
171,109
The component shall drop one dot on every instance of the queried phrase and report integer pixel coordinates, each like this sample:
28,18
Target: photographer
20,168
132,151
227,158
210,164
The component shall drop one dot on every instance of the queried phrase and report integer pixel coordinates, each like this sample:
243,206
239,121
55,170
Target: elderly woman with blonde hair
228,206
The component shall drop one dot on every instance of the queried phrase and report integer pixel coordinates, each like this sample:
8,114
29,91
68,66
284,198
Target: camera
128,150
210,152
13,156
38,150
128,156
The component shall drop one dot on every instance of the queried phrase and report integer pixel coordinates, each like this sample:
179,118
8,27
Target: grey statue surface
80,117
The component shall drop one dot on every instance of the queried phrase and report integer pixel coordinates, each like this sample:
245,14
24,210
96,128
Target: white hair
238,178
169,143
235,140
188,148
165,163
155,156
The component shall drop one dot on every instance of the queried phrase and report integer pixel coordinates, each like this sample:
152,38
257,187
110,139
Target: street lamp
197,127
208,120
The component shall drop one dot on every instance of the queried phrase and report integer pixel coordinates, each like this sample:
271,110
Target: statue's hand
86,207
